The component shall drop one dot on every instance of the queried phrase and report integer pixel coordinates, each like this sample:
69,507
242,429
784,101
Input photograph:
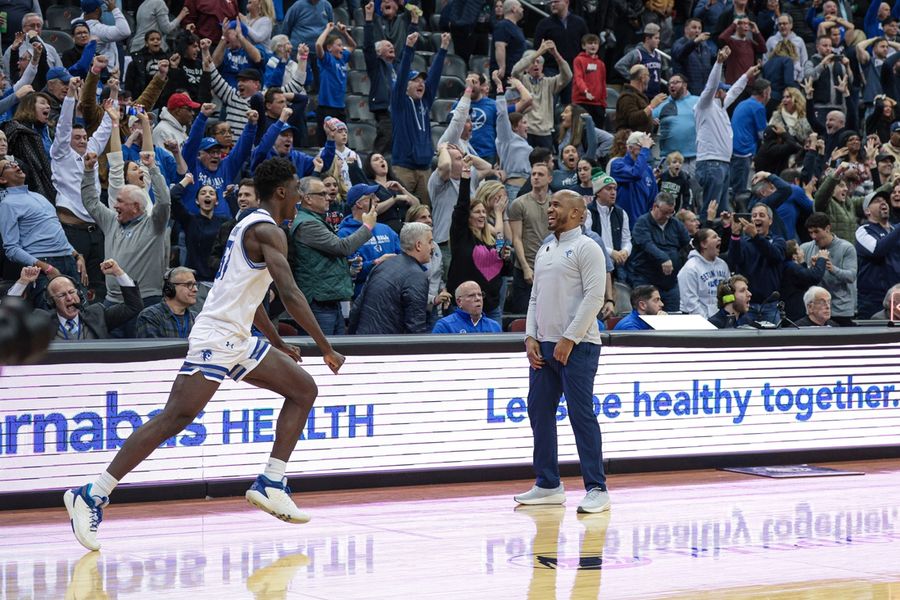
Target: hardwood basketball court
694,534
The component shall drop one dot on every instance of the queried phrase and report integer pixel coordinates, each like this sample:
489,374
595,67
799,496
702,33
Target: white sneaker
85,514
539,495
274,498
596,500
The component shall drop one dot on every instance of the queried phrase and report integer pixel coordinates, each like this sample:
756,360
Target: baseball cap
251,74
600,179
59,73
358,191
635,138
181,100
89,6
244,30
209,142
885,156
871,198
895,126
413,74
724,86
650,29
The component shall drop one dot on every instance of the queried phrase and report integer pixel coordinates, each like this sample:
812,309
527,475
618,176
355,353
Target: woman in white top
259,20
699,278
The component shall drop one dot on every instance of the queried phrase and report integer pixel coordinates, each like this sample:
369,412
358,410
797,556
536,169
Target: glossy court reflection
676,535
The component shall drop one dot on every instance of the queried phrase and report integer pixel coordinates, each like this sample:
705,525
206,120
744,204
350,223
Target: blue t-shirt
237,60
507,31
333,79
484,126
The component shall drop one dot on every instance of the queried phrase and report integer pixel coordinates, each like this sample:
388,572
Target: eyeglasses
61,295
188,284
821,302
320,194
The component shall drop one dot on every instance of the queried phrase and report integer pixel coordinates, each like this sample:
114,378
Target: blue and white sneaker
274,498
85,514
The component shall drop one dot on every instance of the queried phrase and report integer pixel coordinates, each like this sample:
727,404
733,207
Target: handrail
533,8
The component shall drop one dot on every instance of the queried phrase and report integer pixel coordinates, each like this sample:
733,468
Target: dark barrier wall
451,408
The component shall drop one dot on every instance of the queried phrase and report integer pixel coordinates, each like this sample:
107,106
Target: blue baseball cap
724,86
244,30
413,74
89,6
358,191
209,142
59,73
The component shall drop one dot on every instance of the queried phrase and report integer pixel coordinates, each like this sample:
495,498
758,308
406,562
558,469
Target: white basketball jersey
239,288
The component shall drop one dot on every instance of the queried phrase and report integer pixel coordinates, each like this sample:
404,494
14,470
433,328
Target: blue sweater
227,172
461,322
412,147
631,322
637,185
304,22
748,123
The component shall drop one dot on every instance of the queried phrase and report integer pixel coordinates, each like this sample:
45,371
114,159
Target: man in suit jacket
79,322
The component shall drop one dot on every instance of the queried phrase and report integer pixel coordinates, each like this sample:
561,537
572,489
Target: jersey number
226,255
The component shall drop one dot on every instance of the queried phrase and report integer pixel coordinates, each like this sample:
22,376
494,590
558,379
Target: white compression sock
104,485
275,469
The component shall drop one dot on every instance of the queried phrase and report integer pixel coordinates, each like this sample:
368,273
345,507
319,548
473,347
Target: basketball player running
220,345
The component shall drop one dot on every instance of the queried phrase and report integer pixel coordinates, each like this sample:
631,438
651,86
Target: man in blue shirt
468,316
236,52
31,232
677,126
748,123
645,300
509,41
203,156
305,20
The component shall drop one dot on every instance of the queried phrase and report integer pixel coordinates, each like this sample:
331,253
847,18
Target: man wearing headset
75,320
172,317
733,296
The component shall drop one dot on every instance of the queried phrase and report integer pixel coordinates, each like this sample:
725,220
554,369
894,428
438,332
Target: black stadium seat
362,136
62,41
441,109
358,108
454,66
451,87
358,83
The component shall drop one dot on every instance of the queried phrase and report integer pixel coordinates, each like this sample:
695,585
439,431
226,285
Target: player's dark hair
270,174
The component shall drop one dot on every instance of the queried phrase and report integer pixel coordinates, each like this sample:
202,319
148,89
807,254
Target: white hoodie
697,283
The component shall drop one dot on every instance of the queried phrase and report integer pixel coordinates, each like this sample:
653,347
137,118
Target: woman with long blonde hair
259,19
791,114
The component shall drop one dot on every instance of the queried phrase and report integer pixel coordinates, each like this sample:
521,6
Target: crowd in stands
739,159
